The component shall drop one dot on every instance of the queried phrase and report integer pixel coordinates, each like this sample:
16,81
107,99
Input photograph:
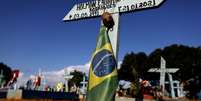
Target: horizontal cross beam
96,8
169,70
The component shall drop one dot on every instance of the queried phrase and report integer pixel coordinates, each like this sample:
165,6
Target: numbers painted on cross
132,7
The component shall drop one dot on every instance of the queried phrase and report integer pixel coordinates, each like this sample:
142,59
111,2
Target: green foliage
187,59
77,78
133,65
7,72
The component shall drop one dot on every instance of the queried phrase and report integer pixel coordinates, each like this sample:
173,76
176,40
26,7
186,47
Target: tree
77,78
133,62
127,66
7,72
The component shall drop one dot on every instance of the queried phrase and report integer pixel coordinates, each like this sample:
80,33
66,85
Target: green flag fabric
103,79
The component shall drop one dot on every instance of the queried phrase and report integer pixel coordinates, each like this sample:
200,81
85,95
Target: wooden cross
163,70
84,84
67,76
1,79
96,8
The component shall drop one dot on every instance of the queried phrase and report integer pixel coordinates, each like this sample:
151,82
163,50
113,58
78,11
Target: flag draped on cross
103,79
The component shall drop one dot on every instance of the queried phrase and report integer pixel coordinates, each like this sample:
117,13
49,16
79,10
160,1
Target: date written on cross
96,8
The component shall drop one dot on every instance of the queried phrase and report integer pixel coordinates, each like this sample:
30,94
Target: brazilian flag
103,79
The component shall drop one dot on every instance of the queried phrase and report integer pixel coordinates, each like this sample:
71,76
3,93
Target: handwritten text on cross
96,8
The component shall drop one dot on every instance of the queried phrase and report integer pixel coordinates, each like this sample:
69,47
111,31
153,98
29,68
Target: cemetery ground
117,99
34,100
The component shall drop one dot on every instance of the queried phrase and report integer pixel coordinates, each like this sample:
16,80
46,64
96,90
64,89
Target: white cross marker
84,83
162,71
67,76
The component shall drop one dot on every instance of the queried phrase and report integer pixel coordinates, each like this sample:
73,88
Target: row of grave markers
162,70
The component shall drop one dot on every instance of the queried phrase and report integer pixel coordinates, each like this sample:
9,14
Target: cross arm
97,7
167,70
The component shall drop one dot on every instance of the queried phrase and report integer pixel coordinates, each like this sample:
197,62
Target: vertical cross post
84,84
171,86
41,86
114,35
162,74
1,79
67,76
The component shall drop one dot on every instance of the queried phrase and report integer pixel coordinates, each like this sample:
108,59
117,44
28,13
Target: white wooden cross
1,79
84,84
175,85
43,80
163,70
67,76
98,7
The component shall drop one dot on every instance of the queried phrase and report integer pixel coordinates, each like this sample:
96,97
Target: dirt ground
116,99
34,100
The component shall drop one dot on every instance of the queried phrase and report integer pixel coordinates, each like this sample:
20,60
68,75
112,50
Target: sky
33,35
